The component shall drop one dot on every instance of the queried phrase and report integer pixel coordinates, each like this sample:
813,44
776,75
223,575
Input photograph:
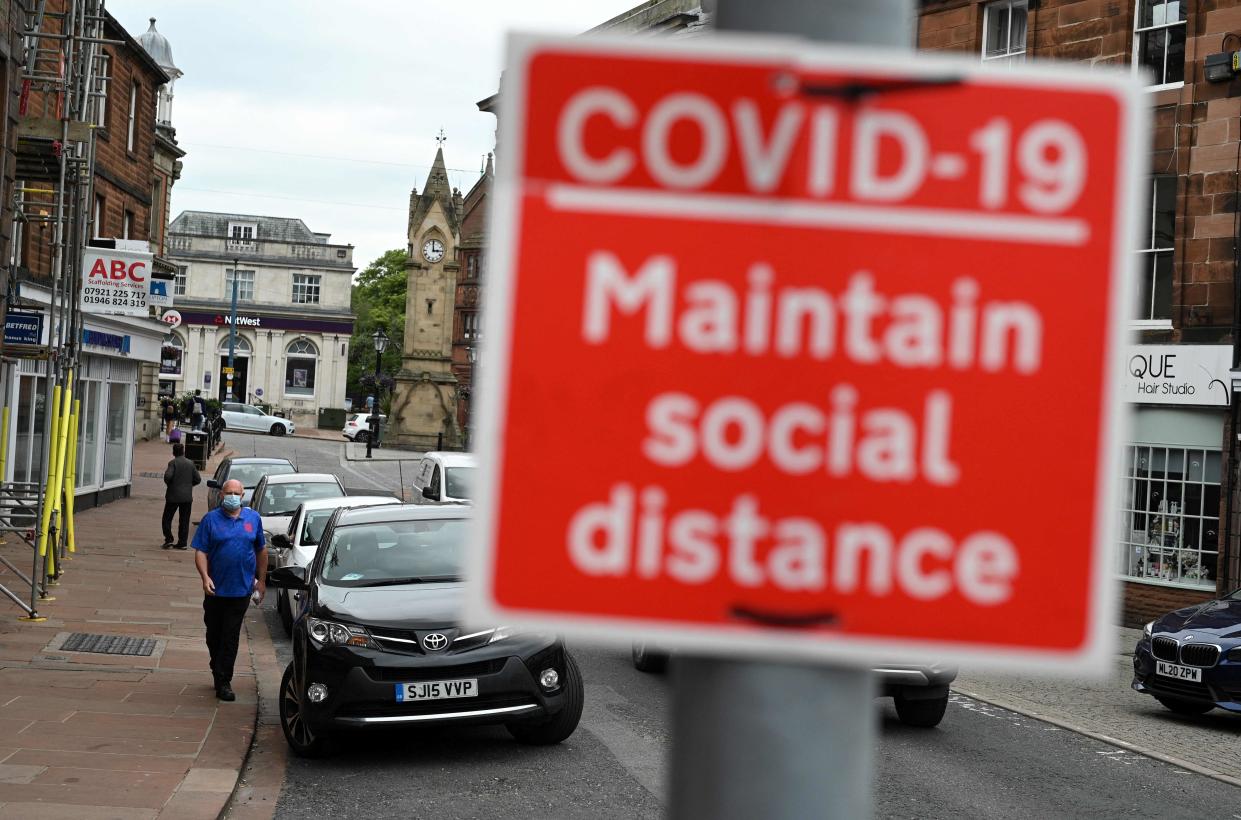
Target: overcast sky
304,108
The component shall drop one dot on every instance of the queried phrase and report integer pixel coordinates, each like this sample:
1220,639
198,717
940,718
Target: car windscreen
395,552
283,499
250,474
312,528
459,482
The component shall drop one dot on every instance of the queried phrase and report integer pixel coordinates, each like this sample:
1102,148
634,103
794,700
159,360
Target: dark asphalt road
981,762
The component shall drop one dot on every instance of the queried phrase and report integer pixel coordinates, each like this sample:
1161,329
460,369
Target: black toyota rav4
377,641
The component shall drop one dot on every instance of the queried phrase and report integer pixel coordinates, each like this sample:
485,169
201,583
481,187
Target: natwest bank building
293,316
295,363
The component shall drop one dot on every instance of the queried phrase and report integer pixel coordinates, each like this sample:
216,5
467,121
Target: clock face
433,250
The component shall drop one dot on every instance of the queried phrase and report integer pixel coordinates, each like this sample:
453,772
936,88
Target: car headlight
503,632
1146,630
330,633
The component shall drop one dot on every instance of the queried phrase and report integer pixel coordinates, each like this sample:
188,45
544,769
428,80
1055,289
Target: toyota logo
434,642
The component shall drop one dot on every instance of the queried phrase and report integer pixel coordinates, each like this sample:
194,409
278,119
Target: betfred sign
795,350
115,282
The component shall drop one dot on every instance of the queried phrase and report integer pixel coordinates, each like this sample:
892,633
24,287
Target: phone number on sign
111,298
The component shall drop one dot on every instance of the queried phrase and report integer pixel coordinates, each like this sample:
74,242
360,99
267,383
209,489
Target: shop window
1155,246
117,443
1159,39
88,435
299,369
1004,32
1170,504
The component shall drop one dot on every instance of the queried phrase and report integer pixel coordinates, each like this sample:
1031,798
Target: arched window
172,355
301,361
240,348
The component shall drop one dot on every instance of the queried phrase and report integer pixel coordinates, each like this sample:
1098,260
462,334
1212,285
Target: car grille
1164,649
1181,688
408,674
1199,654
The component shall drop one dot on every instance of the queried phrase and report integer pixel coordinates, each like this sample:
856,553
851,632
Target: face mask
232,501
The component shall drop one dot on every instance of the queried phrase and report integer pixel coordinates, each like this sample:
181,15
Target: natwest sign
242,321
825,373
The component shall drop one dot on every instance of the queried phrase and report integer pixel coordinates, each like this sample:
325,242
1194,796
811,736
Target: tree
378,301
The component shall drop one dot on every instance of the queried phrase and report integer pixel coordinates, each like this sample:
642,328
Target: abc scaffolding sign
115,282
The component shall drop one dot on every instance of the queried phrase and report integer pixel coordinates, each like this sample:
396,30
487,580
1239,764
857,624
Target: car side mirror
281,540
427,492
287,577
213,484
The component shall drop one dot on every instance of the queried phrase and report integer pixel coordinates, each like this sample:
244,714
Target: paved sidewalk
356,451
105,736
1111,711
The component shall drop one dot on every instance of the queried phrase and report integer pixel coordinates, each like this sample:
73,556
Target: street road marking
643,757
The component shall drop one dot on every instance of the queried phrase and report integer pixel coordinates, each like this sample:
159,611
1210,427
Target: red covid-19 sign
806,351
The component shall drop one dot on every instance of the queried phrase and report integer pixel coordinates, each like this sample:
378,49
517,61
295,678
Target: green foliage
378,301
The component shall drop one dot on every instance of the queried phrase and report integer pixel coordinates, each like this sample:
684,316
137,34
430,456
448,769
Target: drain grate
108,644
151,475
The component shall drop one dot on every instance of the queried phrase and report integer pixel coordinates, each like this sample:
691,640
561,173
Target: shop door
241,370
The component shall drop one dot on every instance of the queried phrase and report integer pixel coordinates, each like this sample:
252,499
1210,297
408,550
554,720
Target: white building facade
294,321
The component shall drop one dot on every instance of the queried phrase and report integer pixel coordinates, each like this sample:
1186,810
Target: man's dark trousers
183,522
223,617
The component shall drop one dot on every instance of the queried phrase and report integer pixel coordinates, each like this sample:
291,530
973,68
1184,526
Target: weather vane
441,139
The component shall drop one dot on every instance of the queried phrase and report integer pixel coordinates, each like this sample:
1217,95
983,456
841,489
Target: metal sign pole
784,740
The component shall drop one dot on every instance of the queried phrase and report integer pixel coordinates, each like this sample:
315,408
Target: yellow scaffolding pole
4,443
71,475
62,438
48,498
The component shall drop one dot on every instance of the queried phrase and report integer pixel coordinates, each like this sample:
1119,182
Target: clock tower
424,402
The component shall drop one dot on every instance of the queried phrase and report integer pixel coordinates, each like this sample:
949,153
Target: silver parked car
238,416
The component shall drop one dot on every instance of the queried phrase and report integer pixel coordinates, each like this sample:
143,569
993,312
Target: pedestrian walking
181,477
196,410
231,558
170,416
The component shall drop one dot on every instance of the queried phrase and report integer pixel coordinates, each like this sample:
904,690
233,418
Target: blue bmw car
1190,659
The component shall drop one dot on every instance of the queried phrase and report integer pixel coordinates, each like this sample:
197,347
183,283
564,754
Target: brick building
1176,545
109,114
472,253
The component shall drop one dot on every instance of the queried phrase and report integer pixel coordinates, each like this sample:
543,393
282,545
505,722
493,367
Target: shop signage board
115,282
824,369
172,318
1179,374
22,328
159,292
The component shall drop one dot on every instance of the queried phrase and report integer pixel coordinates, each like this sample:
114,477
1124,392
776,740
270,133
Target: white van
445,478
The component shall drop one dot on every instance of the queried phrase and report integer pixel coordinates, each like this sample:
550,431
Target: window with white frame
1004,32
97,216
1171,505
1155,252
178,282
305,289
301,359
1159,39
104,67
470,326
241,231
133,117
245,285
127,225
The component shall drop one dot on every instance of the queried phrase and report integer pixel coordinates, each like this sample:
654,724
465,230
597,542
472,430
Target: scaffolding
64,80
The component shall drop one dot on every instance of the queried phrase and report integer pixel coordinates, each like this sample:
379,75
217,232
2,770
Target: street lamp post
232,338
381,344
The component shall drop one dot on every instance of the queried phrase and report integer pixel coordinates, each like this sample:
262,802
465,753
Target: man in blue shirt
231,558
